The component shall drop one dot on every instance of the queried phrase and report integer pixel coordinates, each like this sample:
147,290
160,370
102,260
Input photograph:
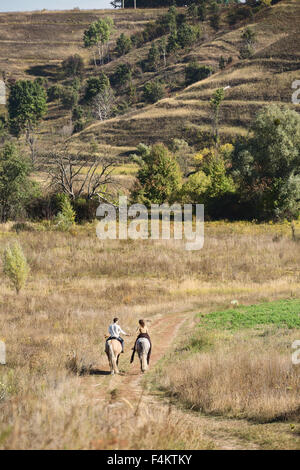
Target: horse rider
142,332
114,331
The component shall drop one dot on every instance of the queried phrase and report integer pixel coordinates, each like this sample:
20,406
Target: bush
186,35
73,66
195,72
77,113
153,91
78,126
43,207
239,13
65,219
69,97
85,209
22,227
95,85
123,45
54,92
153,58
122,75
15,266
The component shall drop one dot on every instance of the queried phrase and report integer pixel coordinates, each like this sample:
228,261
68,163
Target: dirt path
127,388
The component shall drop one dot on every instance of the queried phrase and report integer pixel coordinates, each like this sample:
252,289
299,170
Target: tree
215,104
122,75
162,47
73,66
159,177
153,91
153,58
27,105
95,85
248,37
194,188
267,163
76,175
103,104
15,266
183,154
69,97
186,35
98,35
172,44
123,45
222,63
16,188
65,219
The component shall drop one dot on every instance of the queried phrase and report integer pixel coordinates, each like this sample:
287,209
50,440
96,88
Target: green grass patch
282,314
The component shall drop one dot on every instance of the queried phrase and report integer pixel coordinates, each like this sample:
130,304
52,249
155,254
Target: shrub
69,97
54,92
195,72
77,113
186,35
95,85
65,219
239,13
122,75
85,209
22,227
153,91
15,266
222,63
123,45
153,58
172,44
78,126
73,66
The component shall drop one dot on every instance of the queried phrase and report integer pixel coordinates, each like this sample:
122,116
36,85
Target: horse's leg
117,364
110,363
144,364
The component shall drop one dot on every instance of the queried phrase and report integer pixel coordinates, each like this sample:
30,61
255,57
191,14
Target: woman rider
143,332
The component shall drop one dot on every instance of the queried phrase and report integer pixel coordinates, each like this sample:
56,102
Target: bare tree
103,104
78,175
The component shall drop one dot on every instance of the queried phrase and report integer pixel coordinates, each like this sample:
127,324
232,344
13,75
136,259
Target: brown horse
113,350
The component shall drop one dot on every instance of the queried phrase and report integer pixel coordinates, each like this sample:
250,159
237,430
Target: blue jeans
119,339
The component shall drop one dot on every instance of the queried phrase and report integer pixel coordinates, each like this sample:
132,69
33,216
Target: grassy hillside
266,78
34,44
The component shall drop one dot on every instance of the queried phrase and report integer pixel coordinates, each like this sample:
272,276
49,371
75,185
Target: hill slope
266,78
34,44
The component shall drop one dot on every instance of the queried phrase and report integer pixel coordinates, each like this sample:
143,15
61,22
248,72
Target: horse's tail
112,358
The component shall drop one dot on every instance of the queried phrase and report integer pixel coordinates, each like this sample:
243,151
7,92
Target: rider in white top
114,330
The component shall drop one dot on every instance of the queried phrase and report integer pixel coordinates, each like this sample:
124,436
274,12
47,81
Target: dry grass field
78,283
